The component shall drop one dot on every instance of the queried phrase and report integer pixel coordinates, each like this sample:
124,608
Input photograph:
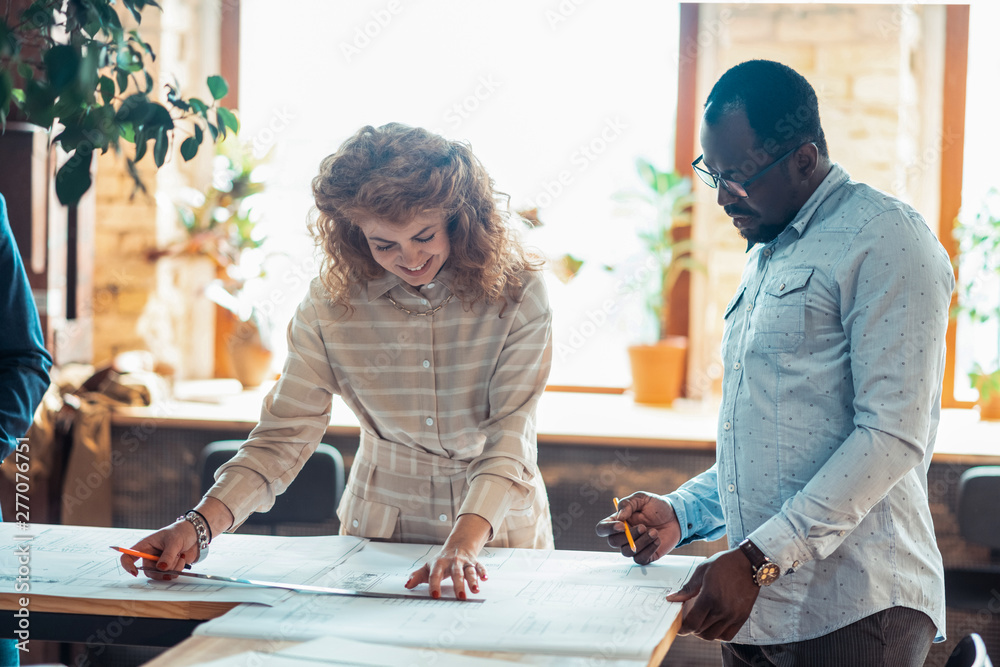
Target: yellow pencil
628,531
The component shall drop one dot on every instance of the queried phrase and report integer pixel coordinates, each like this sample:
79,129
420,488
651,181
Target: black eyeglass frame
712,180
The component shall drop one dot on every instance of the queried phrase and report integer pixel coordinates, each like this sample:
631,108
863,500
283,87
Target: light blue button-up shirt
834,357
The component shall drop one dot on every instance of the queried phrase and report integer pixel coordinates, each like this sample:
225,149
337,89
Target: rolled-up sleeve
502,478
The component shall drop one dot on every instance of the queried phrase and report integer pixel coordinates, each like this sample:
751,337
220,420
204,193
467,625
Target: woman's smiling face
414,251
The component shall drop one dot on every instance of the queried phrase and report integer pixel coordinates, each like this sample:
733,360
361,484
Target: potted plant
978,290
658,363
72,67
219,226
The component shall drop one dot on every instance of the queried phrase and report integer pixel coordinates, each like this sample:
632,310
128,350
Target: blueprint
75,562
588,604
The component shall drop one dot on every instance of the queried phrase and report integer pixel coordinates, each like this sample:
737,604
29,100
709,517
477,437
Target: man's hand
653,523
718,597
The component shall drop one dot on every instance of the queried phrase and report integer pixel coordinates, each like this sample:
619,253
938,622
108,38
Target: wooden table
75,619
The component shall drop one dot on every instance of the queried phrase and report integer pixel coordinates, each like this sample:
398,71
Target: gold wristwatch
765,572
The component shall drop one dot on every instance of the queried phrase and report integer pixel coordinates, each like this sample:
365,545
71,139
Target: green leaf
134,109
136,13
39,15
149,82
217,86
73,178
214,131
141,139
6,90
127,132
18,96
161,146
199,107
189,148
107,89
26,71
122,77
228,118
198,134
62,63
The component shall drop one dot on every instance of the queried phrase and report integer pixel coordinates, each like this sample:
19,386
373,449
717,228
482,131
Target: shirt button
736,366
749,307
731,487
795,564
841,533
429,421
767,252
355,523
427,364
430,285
727,426
424,301
781,286
443,517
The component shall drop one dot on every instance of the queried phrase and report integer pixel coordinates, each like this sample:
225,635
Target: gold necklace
415,313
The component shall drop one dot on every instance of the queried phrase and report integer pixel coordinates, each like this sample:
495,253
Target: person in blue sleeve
24,362
834,352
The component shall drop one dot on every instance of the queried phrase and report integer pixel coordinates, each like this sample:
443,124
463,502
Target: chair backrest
970,652
312,497
978,500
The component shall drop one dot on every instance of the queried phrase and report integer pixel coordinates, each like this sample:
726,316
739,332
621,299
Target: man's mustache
735,212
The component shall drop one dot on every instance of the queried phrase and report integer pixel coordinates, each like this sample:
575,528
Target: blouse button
427,364
795,564
443,517
736,366
749,307
731,487
727,426
424,301
429,421
355,523
430,285
781,286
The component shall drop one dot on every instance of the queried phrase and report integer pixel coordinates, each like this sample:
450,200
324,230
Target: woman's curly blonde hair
395,172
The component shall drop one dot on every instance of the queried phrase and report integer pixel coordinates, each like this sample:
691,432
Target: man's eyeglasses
735,188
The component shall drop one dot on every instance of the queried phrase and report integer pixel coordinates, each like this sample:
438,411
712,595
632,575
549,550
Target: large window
556,99
980,343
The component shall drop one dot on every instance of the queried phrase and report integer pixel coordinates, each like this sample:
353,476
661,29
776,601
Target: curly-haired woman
432,323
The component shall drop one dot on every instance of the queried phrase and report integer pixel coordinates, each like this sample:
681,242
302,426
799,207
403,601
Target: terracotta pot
251,361
989,409
658,370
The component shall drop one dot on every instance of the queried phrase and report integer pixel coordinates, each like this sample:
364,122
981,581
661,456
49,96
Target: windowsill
563,418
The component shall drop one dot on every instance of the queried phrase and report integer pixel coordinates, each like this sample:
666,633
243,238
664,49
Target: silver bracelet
202,529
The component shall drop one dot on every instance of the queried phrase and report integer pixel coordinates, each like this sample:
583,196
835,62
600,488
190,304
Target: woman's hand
654,527
457,559
177,544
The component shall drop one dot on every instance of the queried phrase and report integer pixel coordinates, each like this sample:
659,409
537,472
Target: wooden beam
956,65
229,54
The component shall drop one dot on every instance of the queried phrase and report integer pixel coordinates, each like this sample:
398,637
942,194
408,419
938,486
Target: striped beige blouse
446,403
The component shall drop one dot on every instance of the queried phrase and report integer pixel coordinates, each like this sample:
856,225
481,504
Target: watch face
767,574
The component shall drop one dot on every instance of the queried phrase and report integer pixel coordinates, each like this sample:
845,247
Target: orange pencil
628,531
139,554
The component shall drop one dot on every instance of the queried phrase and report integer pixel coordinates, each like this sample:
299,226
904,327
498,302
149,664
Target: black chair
978,522
312,497
970,652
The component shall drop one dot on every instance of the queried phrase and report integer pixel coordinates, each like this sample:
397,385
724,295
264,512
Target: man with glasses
834,357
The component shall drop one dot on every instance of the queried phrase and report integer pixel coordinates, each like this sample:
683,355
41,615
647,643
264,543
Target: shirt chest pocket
778,323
